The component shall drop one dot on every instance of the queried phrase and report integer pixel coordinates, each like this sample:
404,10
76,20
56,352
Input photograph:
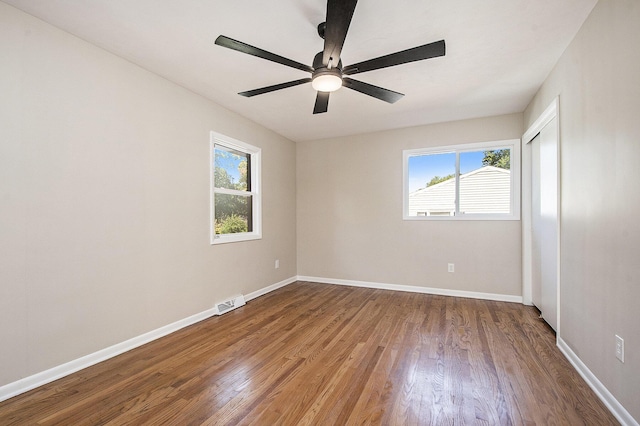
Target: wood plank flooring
331,355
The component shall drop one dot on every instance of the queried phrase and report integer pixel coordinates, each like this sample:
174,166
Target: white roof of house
484,190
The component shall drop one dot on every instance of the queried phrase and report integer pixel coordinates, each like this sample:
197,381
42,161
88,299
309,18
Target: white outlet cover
620,348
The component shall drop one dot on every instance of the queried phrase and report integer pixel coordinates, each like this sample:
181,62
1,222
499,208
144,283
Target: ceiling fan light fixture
326,82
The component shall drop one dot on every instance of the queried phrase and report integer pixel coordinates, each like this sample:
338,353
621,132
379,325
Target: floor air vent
229,304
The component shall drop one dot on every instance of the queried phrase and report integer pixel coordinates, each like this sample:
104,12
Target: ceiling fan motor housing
318,66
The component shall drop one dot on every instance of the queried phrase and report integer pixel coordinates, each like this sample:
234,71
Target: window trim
255,192
513,144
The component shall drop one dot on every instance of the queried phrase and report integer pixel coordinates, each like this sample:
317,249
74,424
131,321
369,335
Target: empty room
321,212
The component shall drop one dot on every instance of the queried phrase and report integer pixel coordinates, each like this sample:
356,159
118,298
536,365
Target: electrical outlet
451,267
620,348
277,263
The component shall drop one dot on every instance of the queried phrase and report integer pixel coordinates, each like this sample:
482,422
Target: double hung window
235,190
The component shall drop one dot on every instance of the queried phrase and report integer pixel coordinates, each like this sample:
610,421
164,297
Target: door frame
551,112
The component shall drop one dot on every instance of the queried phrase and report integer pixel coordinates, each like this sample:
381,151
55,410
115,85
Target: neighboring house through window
235,190
477,181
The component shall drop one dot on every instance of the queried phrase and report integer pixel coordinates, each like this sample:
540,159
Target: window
235,190
479,181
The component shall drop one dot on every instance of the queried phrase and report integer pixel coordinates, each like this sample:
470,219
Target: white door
544,222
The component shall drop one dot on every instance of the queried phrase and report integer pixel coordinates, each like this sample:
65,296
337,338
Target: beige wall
598,82
350,227
104,201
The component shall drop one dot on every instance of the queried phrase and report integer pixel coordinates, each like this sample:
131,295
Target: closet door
544,221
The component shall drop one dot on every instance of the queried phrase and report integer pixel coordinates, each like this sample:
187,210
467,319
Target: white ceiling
498,54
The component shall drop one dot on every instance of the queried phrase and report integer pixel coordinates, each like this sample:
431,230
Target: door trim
547,115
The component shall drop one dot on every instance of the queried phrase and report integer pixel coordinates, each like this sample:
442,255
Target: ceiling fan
327,72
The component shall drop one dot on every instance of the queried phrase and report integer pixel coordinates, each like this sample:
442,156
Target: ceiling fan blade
322,103
339,14
260,53
419,53
268,89
371,90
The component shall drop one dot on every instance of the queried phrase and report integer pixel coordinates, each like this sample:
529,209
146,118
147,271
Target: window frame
255,189
512,144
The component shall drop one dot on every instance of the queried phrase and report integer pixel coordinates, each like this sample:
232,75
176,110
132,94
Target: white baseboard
603,393
416,289
28,383
269,289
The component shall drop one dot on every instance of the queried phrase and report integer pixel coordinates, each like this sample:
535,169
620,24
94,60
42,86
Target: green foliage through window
233,209
232,224
498,158
438,179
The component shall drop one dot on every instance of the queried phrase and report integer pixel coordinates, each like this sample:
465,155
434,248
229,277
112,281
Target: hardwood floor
332,355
